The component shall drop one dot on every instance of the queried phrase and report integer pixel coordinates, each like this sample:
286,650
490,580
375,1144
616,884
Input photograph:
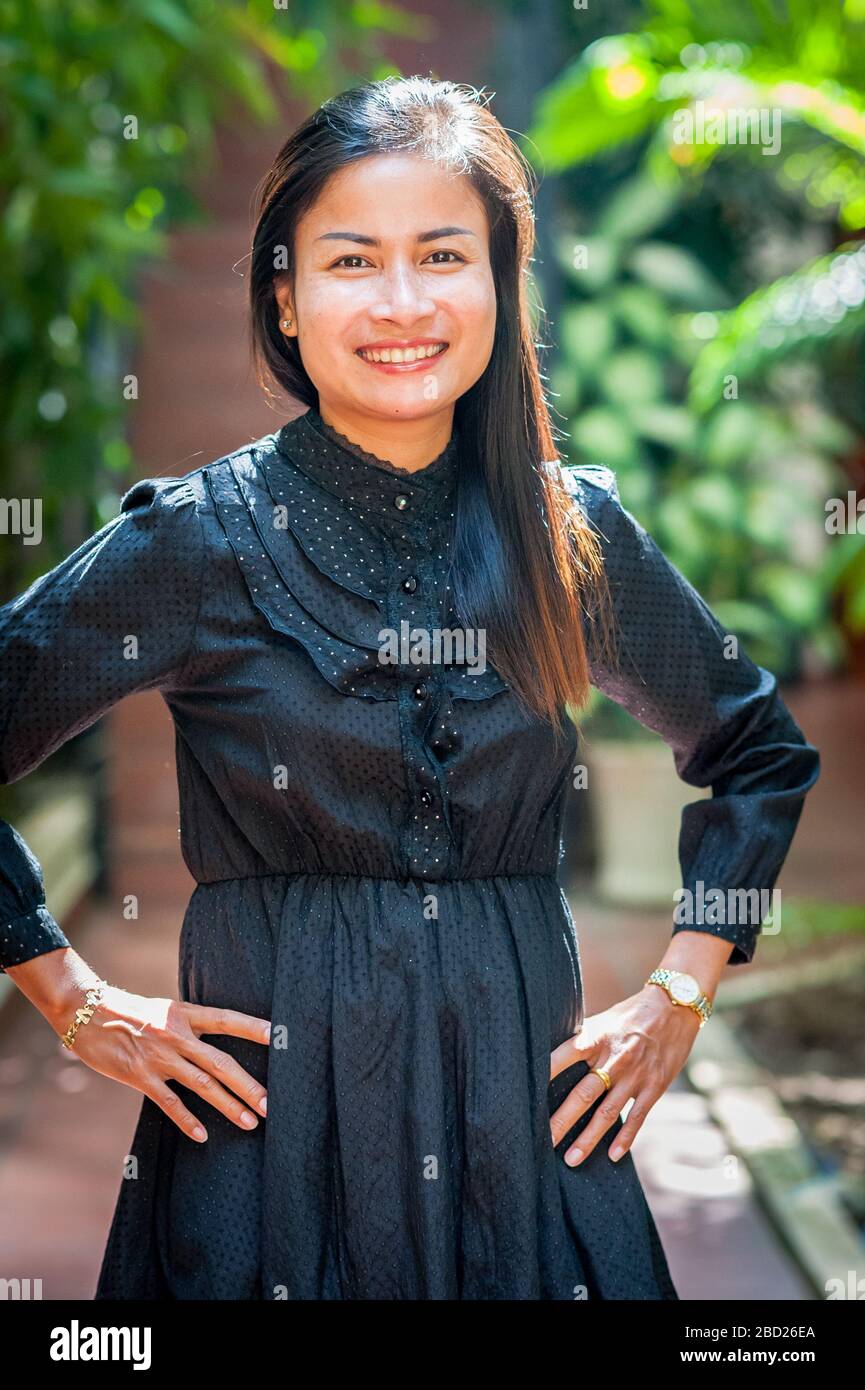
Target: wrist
683,990
56,984
63,1006
658,1004
698,954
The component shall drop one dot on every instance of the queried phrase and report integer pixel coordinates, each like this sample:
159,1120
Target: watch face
684,988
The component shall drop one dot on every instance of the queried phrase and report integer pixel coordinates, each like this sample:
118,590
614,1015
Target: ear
282,295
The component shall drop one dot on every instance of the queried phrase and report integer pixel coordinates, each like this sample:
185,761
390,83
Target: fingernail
616,1154
199,1132
247,1119
267,1033
573,1157
262,1105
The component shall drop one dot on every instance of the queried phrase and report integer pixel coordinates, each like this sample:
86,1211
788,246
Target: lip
399,343
404,344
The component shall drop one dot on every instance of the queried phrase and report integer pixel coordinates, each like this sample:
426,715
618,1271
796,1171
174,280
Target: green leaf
749,620
717,500
669,425
678,275
817,428
565,391
173,22
792,592
603,437
590,262
602,100
640,206
796,314
854,609
643,313
843,556
730,432
762,523
681,528
587,336
632,378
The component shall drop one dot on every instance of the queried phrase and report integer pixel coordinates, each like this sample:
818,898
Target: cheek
475,312
322,326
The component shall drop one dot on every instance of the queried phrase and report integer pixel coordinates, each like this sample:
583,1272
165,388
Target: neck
410,444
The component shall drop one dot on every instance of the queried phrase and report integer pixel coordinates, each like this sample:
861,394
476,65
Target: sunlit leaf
603,437
633,378
640,206
790,591
677,274
666,424
643,312
587,336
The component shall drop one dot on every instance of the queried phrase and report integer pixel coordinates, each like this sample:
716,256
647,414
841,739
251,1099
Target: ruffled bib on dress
329,539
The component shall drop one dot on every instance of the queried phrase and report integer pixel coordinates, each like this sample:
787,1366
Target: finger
575,1104
203,1019
232,1075
575,1049
205,1085
608,1111
169,1101
632,1126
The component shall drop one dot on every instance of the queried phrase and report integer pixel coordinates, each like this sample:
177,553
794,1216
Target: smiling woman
378,938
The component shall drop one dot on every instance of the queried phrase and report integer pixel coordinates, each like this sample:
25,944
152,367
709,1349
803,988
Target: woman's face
392,260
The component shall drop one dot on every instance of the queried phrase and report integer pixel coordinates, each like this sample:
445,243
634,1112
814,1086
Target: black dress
376,851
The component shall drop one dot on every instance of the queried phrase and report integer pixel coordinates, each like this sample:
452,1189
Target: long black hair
526,567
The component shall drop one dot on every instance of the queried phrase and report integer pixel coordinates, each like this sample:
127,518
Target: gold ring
604,1075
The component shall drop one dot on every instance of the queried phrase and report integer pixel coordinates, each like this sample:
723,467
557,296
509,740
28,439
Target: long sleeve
677,672
116,616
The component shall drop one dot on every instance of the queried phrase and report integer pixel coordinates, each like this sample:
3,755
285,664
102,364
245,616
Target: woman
368,627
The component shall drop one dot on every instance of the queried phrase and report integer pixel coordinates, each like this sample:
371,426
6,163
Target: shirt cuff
31,935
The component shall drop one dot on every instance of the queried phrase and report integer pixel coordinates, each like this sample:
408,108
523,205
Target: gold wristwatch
683,989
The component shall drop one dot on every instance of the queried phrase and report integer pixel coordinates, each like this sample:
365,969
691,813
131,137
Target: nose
403,297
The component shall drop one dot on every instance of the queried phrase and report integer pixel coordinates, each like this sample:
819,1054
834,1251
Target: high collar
378,492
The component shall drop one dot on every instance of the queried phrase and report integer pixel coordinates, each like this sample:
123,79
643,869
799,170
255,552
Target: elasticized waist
375,878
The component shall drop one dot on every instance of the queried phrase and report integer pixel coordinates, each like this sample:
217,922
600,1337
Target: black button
400,502
409,584
426,799
420,692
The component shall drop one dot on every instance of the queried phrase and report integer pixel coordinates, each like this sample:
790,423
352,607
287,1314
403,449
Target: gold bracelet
84,1014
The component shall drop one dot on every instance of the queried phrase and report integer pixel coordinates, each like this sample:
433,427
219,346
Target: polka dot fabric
375,848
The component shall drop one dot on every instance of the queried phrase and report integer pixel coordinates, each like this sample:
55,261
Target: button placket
428,834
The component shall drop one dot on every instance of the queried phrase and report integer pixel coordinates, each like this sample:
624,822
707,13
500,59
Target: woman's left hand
642,1043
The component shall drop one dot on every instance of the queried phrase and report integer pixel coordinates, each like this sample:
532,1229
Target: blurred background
701,261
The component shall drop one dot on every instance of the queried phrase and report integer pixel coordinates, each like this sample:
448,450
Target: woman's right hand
147,1042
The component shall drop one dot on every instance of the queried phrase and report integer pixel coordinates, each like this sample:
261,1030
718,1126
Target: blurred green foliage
109,110
711,339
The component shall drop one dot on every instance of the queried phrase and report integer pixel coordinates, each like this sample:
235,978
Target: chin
393,405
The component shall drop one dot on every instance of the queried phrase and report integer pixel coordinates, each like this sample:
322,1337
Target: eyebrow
373,241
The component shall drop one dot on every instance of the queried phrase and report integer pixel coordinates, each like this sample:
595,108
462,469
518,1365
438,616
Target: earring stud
286,323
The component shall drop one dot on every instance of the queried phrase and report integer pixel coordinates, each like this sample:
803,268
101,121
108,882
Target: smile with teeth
412,354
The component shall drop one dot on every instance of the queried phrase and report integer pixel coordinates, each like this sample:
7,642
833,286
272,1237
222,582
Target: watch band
702,1005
